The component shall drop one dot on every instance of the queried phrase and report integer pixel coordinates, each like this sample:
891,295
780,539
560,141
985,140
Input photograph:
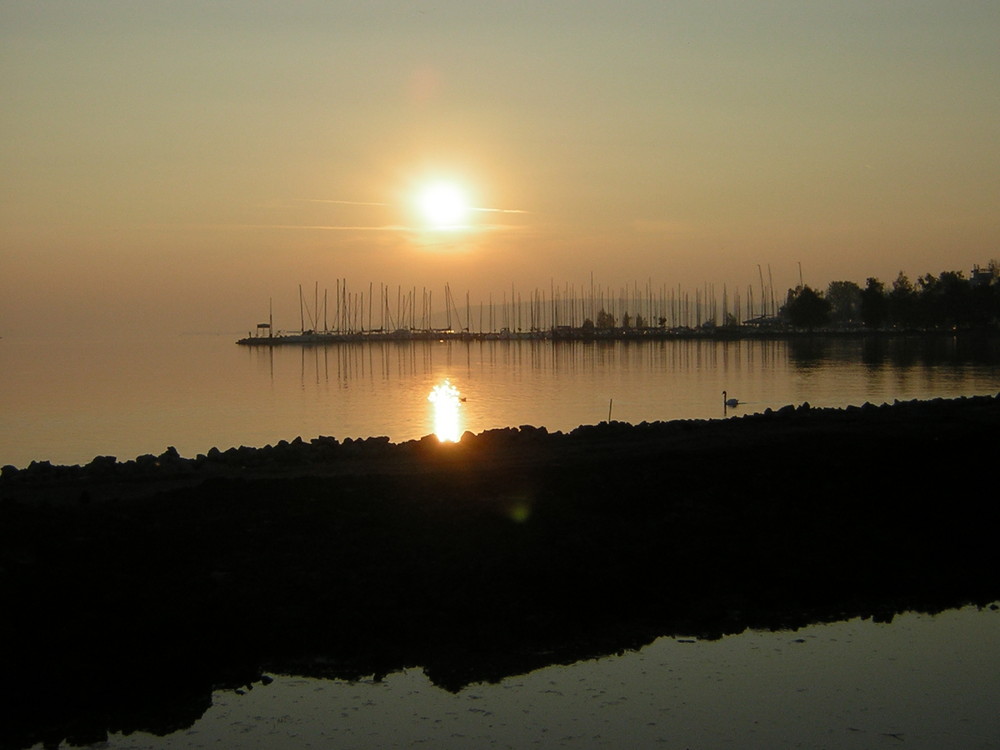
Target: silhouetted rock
101,466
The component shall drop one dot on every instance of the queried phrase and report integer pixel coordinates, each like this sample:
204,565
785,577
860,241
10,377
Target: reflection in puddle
928,681
446,400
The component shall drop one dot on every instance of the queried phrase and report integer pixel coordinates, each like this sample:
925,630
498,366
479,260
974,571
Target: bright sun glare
443,205
446,399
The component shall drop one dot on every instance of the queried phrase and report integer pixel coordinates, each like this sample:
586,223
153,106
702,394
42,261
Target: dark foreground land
130,590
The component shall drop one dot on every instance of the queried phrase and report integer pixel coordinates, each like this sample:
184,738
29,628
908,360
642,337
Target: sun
443,205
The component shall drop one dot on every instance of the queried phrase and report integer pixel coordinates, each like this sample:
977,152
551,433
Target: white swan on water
729,401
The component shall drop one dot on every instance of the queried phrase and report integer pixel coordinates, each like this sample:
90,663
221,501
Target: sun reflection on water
446,400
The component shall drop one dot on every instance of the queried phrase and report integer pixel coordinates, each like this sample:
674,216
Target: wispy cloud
386,205
329,227
500,210
376,227
345,203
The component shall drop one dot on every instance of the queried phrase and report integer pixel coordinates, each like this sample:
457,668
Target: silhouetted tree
954,299
807,308
845,301
903,302
985,295
947,300
874,306
605,319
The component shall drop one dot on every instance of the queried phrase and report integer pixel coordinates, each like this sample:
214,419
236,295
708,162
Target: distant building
979,277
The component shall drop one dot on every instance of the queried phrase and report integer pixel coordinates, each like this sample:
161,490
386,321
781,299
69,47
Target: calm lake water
68,400
922,683
928,682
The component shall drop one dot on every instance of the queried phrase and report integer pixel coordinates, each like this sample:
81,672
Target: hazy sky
175,164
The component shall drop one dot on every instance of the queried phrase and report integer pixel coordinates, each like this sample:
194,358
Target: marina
628,312
948,304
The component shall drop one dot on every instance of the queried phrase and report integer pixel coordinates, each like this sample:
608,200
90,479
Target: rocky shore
131,589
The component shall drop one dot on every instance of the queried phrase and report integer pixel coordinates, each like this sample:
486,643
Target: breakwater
709,333
135,587
313,338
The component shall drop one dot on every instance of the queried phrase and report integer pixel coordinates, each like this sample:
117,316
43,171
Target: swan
729,401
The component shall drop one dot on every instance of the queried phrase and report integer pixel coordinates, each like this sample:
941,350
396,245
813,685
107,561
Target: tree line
948,300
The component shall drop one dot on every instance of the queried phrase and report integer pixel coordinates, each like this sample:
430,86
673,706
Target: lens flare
446,400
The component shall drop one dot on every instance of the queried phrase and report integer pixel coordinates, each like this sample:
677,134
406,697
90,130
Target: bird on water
729,401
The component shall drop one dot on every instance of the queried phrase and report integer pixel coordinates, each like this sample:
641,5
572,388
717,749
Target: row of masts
354,312
388,309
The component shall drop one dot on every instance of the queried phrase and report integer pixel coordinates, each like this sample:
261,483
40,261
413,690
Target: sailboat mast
770,282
